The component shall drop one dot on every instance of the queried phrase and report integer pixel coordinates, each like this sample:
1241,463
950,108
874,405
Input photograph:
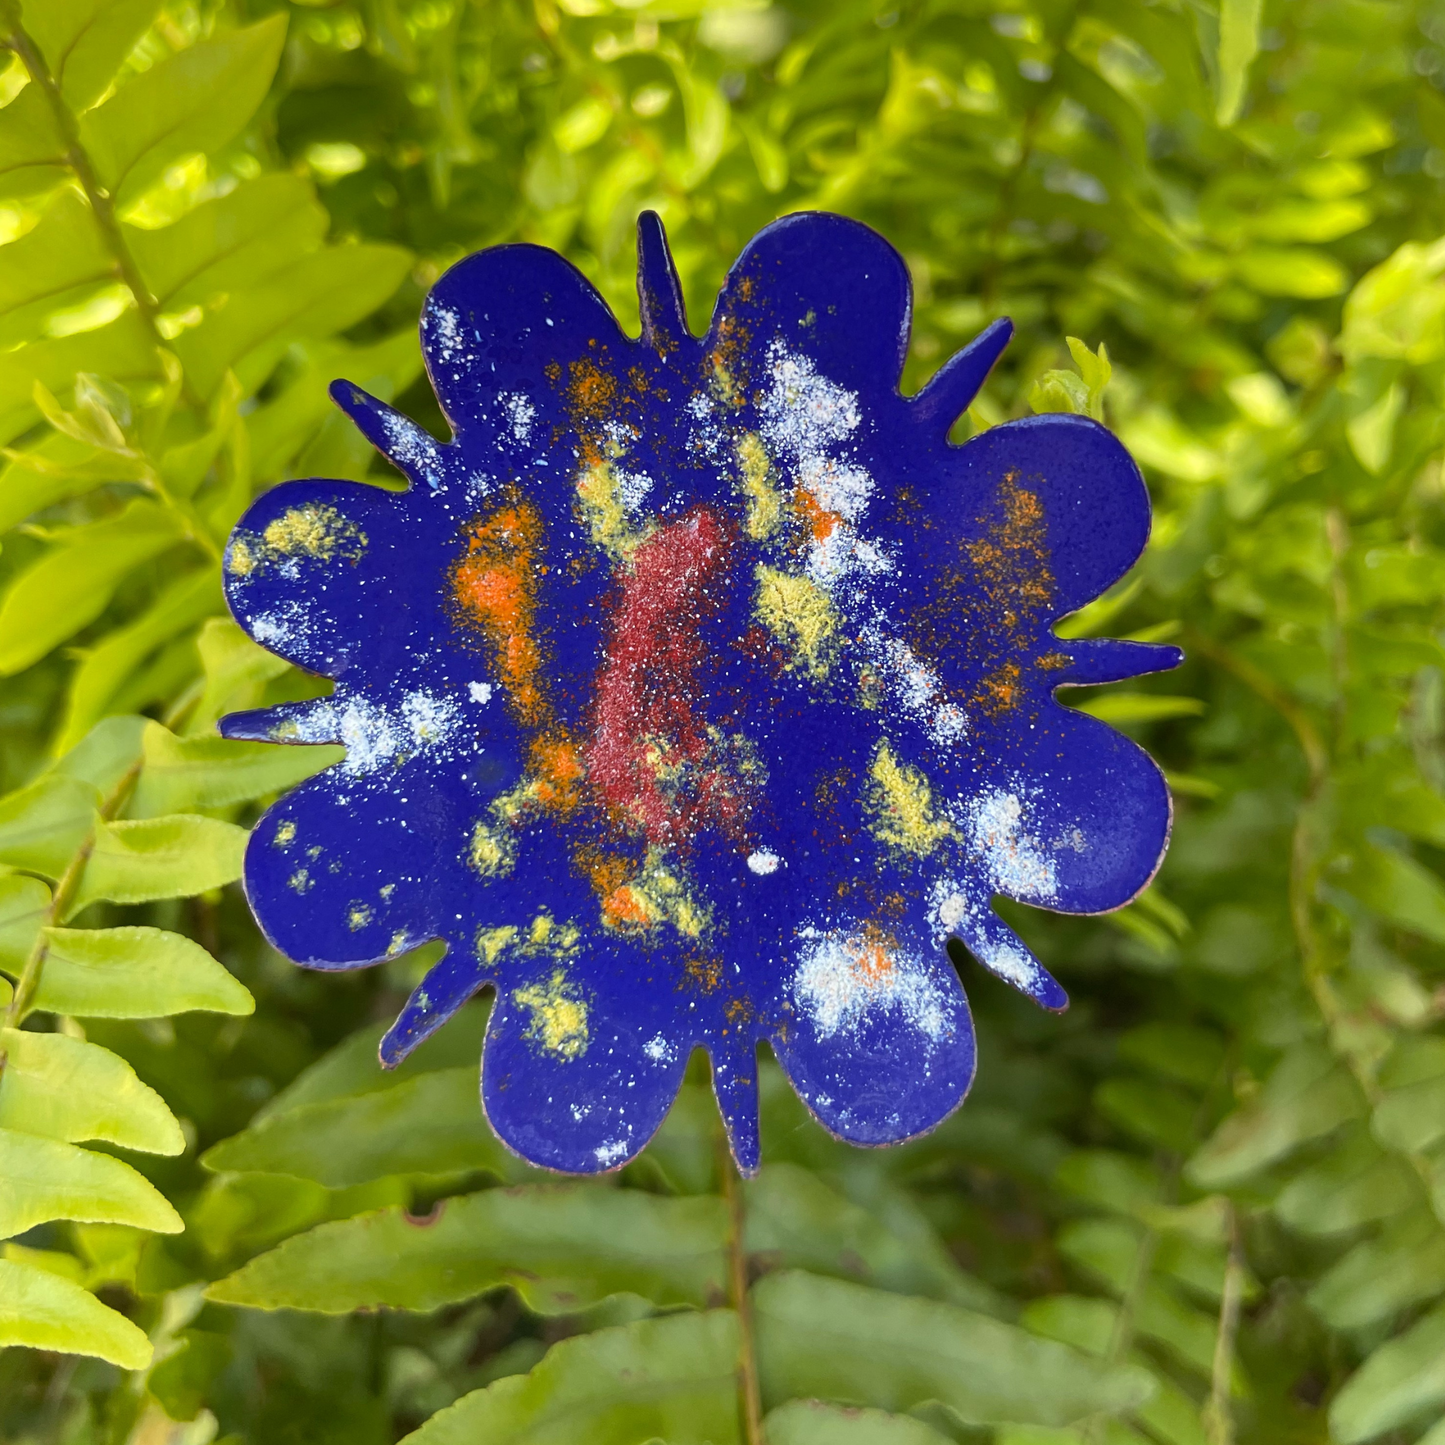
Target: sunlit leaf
104,669
1238,45
85,41
45,1312
430,1124
185,774
63,1088
1401,1381
134,972
670,1378
811,1422
844,1341
171,857
195,100
72,584
1307,1096
43,1179
41,826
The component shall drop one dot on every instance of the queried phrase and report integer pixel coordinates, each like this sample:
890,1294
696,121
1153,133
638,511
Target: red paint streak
652,758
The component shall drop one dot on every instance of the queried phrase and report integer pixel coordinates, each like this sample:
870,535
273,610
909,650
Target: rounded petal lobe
344,871
577,1073
880,1044
1075,817
308,566
829,288
1088,493
497,321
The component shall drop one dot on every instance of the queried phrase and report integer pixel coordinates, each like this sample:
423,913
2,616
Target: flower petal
356,866
582,1062
307,567
824,286
494,325
448,984
995,945
952,388
1107,659
1047,512
880,1043
1066,814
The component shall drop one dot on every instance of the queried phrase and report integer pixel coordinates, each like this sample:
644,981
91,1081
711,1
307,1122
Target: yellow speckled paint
547,936
764,501
285,833
358,916
544,937
900,807
559,1016
315,531
800,614
599,492
493,942
492,852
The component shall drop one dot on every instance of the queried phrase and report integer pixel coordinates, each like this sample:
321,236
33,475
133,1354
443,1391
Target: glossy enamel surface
697,692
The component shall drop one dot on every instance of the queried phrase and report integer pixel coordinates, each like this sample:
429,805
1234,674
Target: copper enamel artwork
697,692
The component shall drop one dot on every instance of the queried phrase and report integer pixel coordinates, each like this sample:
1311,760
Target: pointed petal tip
256,725
748,1167
409,447
659,291
958,381
355,402
735,1087
997,333
402,1037
1052,996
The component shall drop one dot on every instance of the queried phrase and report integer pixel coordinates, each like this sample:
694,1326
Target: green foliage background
1207,1204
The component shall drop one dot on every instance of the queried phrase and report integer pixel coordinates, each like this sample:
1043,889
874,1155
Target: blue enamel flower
697,692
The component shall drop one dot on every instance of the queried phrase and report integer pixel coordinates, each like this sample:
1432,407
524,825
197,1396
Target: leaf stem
60,901
18,39
750,1404
1121,1339
1218,1418
1306,855
1317,757
102,205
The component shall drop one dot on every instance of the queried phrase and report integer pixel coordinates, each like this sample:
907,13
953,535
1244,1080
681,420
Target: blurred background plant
1206,1205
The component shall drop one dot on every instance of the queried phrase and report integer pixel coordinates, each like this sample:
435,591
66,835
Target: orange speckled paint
871,956
819,523
494,587
1012,561
555,761
592,396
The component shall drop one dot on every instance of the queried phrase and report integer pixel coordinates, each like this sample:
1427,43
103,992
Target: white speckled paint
375,736
997,830
835,992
